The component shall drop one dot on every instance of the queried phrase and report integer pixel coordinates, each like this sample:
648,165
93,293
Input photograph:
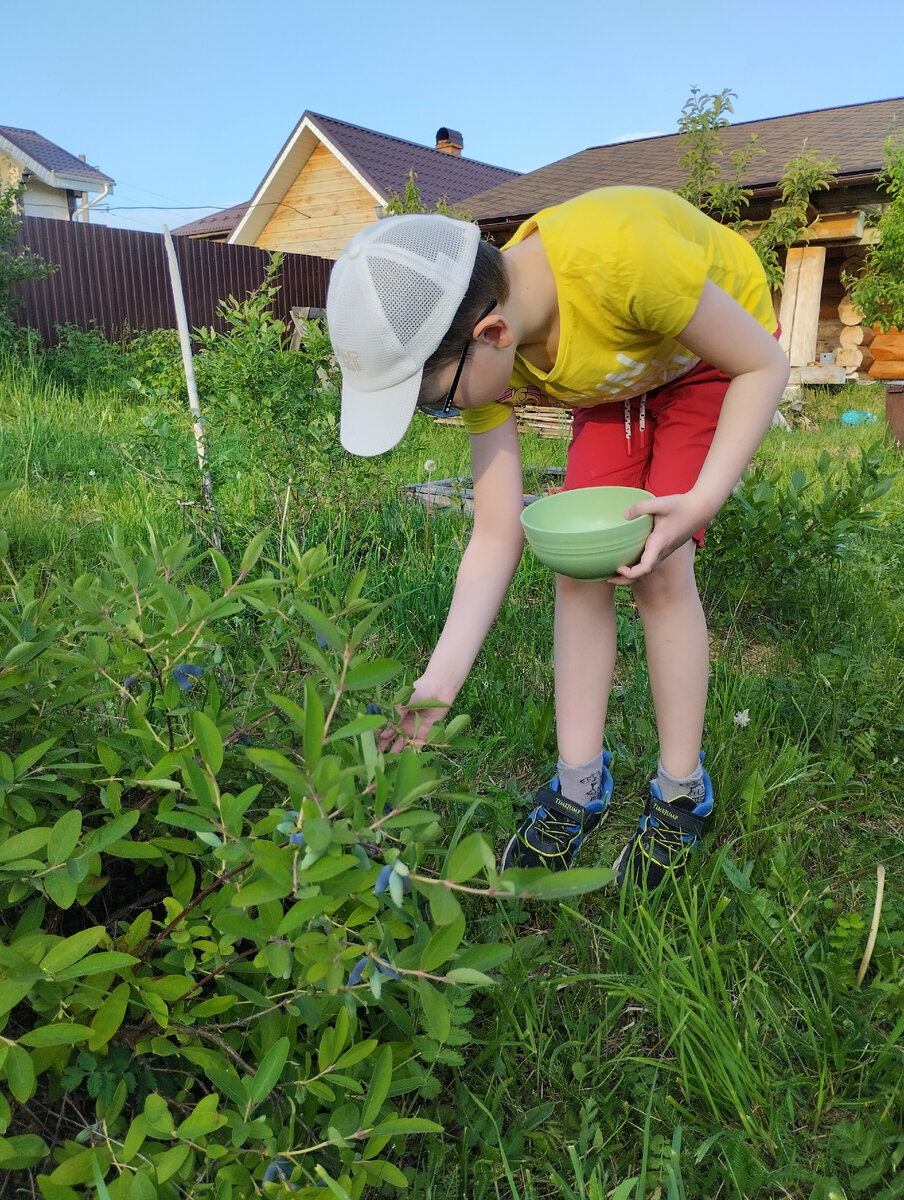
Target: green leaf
21,1150
111,832
22,845
333,637
61,888
28,758
268,1072
14,990
359,1051
253,551
738,878
443,944
109,1016
99,1183
382,1171
64,836
485,957
97,964
331,1183
378,1088
210,743
437,1017
469,857
360,725
467,975
372,674
536,883
170,1161
60,1034
444,908
158,1115
203,1119
69,950
224,573
20,1074
397,1125
314,723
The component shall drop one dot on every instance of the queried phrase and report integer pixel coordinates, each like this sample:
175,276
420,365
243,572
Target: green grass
711,1041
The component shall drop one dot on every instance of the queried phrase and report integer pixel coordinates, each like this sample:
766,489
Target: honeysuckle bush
235,938
775,536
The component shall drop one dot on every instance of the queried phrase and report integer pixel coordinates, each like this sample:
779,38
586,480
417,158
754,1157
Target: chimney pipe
449,141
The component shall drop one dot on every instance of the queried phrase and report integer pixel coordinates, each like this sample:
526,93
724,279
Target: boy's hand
675,519
412,725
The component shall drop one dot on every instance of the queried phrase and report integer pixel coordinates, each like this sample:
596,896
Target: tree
699,126
15,265
703,150
410,202
788,221
879,290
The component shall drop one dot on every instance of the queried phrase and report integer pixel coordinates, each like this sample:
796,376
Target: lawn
730,1037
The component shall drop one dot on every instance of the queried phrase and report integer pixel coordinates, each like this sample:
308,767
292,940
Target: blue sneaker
552,833
666,836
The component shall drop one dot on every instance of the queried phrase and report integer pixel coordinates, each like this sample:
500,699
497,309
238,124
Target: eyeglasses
445,408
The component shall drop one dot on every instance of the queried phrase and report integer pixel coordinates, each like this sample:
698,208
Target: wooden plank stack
547,422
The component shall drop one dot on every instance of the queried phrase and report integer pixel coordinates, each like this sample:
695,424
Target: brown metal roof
854,134
384,161
50,156
222,222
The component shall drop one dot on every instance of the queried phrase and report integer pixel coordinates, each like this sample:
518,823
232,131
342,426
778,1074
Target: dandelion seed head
742,718
429,466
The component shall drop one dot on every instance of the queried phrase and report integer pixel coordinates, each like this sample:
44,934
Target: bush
234,943
773,536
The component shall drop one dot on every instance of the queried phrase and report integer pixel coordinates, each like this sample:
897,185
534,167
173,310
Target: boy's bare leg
584,664
677,658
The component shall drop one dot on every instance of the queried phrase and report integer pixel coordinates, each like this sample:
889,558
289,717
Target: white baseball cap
392,296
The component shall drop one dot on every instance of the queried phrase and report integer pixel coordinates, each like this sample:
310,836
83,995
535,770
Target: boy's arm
487,566
721,332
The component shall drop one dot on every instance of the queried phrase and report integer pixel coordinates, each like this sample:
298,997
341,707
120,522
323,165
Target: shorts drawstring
641,424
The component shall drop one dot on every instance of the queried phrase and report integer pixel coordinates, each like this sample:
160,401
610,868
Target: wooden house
821,331
330,179
57,184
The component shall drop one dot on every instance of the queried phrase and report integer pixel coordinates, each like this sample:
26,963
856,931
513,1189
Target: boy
656,326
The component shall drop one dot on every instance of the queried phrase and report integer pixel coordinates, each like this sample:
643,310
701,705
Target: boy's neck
533,304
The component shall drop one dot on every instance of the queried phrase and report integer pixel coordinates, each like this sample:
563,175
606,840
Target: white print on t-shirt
640,377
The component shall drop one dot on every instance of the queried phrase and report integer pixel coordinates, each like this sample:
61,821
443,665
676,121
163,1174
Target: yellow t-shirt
630,264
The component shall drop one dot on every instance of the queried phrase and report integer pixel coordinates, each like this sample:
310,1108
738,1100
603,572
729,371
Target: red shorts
660,447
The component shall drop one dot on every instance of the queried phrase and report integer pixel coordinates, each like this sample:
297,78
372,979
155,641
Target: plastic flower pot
582,533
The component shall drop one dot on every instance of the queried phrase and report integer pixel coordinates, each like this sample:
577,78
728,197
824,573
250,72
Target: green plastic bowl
582,533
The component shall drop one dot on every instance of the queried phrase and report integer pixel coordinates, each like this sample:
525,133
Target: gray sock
691,785
581,782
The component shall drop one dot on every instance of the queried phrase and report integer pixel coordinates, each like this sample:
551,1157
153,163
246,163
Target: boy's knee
581,589
672,578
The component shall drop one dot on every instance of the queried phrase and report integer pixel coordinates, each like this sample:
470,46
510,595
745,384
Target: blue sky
185,103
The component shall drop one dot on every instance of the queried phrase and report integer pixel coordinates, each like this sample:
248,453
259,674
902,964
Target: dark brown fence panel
117,279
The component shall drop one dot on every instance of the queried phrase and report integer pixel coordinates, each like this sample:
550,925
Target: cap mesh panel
406,297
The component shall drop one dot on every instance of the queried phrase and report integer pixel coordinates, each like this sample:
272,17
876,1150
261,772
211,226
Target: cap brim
373,422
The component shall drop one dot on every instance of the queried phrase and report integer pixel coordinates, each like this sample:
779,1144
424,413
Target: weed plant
710,1041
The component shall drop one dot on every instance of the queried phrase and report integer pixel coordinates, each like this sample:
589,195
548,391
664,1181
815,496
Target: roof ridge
391,137
807,112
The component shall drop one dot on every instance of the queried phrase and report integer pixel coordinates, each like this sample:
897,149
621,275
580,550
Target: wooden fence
117,279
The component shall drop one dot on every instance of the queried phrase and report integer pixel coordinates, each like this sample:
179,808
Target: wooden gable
324,206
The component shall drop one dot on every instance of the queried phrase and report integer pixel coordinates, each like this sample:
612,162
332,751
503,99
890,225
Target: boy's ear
495,330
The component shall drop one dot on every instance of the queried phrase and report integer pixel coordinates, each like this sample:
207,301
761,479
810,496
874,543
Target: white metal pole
189,367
